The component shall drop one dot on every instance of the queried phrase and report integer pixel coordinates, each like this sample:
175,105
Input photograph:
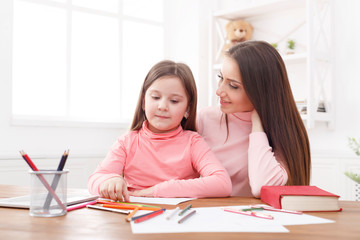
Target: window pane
95,83
145,9
104,5
138,58
39,60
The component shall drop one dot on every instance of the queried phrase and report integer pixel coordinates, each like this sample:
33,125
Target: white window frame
68,121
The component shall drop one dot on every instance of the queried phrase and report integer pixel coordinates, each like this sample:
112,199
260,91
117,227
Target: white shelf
309,69
259,9
294,58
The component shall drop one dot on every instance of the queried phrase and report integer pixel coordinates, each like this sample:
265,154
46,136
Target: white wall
347,84
187,38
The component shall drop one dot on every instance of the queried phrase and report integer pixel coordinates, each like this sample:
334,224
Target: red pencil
42,179
28,161
80,205
148,216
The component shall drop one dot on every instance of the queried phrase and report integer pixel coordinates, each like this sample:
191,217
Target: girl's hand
147,192
256,122
114,188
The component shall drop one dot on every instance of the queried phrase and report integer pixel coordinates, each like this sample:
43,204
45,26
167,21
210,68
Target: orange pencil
124,203
130,207
128,217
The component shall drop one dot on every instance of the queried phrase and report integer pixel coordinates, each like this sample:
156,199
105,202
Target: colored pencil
81,205
185,209
139,204
148,216
268,208
252,209
129,207
56,179
42,179
172,213
187,216
63,161
128,217
249,213
108,209
109,201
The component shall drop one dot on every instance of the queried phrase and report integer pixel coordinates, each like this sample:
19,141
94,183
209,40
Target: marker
187,216
185,209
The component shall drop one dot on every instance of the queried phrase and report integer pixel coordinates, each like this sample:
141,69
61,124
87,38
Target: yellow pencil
128,217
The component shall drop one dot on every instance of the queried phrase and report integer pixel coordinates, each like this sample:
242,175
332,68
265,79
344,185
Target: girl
257,132
162,155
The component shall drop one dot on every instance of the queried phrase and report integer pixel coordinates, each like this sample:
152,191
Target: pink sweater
172,162
247,156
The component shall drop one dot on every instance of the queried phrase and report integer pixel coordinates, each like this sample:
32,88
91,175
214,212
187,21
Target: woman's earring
186,115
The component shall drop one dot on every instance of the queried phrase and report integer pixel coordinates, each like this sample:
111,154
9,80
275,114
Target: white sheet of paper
211,219
214,219
168,201
296,219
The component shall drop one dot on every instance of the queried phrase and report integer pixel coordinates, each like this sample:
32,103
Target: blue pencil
42,179
56,179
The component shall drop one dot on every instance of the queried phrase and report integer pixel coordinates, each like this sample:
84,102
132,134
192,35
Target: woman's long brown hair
169,68
266,83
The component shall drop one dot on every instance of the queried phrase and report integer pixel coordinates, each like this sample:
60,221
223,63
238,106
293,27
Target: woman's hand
256,122
147,192
114,188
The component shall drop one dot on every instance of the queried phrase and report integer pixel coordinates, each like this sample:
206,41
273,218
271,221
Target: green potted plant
291,46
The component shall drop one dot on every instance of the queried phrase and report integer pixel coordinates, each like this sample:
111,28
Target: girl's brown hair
169,68
266,83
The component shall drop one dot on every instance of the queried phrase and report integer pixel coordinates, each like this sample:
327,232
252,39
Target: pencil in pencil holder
48,193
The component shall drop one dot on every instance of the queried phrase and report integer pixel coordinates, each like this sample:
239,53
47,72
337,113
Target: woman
257,132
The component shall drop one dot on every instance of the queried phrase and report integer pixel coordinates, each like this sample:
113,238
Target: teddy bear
237,31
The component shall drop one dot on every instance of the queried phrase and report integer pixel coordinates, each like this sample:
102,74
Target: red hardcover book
300,198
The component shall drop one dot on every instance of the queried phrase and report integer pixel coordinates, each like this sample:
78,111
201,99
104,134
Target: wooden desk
87,224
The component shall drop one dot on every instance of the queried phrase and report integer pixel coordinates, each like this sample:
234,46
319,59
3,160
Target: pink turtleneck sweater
172,162
247,156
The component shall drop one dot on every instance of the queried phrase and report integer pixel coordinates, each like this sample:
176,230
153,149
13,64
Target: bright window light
83,61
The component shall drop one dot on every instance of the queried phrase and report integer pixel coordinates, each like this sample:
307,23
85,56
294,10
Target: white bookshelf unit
308,23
